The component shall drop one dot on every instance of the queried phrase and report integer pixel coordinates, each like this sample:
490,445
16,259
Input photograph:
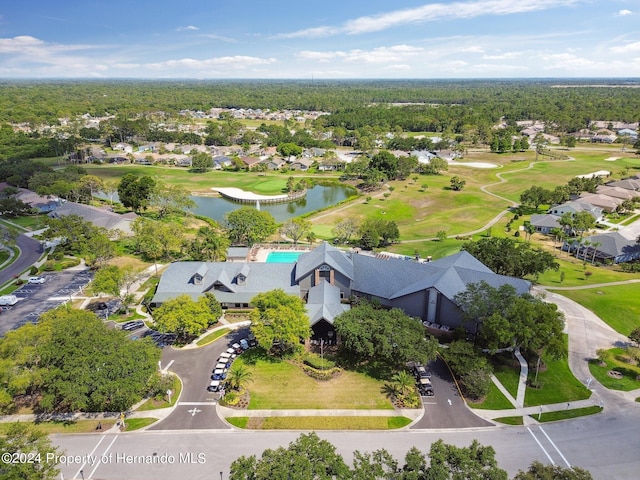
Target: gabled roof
323,303
613,244
97,216
176,280
395,278
324,254
544,220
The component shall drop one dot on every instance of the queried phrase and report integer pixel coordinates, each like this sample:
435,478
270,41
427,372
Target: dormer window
197,279
241,279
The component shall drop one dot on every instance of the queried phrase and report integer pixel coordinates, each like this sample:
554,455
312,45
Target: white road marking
193,411
450,402
196,403
540,445
92,452
169,365
99,460
554,446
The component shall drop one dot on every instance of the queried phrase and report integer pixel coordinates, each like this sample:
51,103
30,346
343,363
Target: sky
319,39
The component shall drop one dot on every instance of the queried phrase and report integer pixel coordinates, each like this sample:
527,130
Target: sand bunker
473,164
611,159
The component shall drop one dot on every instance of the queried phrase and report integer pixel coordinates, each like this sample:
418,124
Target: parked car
237,348
252,340
219,374
419,371
36,280
244,344
215,386
220,365
225,361
425,388
232,352
8,300
225,355
133,325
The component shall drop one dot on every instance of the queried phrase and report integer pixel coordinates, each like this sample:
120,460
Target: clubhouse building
327,277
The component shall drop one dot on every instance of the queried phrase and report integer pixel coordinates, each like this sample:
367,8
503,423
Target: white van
8,300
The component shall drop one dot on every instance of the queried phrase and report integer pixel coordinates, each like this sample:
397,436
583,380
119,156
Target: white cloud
502,56
235,62
315,32
188,27
222,38
376,55
428,13
628,48
624,13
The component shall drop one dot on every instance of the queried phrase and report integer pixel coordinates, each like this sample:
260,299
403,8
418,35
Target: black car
419,371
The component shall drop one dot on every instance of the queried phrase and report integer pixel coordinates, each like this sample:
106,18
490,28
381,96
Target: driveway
196,408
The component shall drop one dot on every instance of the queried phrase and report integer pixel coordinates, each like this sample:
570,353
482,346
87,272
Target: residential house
627,132
275,163
606,247
250,162
115,223
326,275
577,206
605,202
545,222
617,192
632,184
302,164
221,162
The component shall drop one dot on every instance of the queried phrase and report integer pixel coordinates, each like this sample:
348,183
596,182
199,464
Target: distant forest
359,111
571,104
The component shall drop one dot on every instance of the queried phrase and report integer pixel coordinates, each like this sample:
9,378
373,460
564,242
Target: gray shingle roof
545,220
262,277
324,254
323,303
613,244
396,278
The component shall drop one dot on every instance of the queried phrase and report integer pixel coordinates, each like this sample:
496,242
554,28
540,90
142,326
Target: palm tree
238,377
403,382
595,246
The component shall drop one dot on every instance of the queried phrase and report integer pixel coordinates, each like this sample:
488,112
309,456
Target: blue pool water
283,257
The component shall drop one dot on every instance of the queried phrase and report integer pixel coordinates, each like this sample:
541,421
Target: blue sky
319,38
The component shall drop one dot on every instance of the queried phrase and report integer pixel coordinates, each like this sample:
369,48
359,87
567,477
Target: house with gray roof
544,222
577,206
326,276
607,247
115,223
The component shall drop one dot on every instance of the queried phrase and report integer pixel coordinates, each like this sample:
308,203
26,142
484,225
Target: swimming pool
283,257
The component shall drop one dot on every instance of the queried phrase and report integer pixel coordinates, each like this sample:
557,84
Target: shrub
321,374
318,362
231,399
49,266
57,255
33,270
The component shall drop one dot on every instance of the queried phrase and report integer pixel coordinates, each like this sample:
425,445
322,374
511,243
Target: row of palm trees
579,247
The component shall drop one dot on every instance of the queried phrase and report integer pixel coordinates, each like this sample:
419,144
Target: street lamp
82,474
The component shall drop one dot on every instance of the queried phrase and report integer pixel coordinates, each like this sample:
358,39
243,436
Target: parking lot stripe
554,446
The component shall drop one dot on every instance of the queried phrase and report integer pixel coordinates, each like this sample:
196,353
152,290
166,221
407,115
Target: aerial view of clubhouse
326,277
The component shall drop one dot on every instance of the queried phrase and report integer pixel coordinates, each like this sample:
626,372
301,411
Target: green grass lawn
30,222
615,360
79,426
320,423
494,400
508,374
510,420
618,305
574,274
153,404
138,423
565,414
282,385
265,183
558,385
212,337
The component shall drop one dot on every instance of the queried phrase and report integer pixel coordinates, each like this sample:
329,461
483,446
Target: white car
8,300
36,280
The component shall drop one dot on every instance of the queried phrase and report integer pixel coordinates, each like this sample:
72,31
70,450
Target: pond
320,196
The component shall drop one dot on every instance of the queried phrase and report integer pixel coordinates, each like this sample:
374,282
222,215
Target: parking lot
35,299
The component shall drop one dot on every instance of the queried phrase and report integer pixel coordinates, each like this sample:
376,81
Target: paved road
30,251
197,407
607,445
